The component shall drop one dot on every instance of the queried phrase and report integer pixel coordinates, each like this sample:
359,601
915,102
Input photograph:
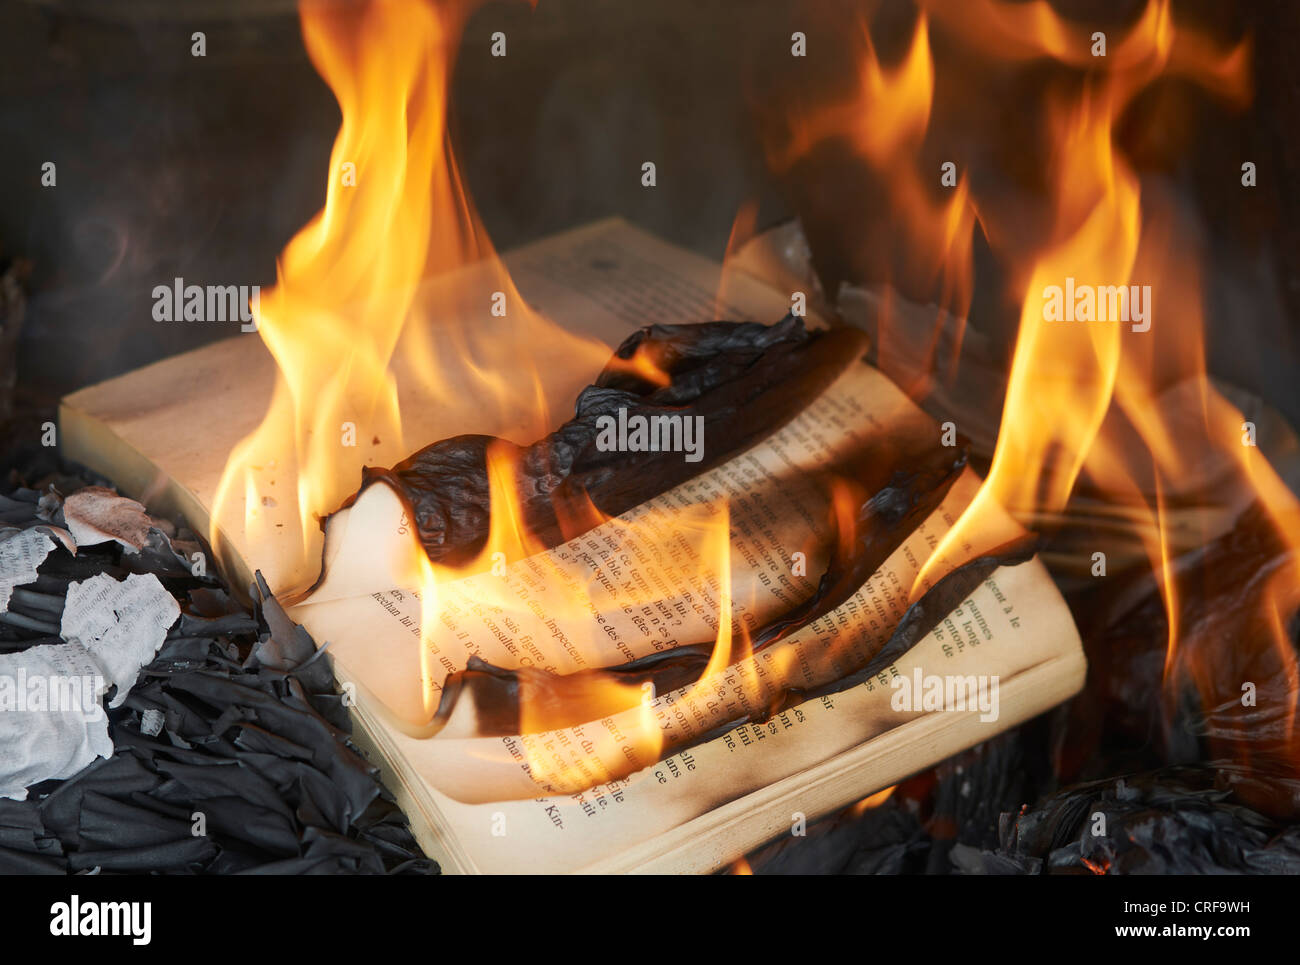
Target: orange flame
1065,373
742,230
1062,373
707,531
930,237
357,342
873,801
392,300
349,293
1131,406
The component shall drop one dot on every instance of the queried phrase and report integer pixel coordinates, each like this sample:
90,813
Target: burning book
749,580
657,667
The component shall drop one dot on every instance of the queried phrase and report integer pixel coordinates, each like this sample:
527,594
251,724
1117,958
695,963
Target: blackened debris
1180,820
231,753
1137,713
926,824
1154,784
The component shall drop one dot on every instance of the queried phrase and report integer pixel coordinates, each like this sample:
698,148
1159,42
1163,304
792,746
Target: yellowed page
605,280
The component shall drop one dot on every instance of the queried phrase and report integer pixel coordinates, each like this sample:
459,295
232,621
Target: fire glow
346,305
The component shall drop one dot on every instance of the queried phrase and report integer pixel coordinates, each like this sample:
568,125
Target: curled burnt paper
923,616
884,520
572,699
873,476
723,372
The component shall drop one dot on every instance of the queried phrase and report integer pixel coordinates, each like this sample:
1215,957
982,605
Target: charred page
694,580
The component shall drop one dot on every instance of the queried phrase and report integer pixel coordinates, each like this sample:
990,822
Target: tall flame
1130,408
1080,393
1065,374
927,249
349,291
378,303
352,328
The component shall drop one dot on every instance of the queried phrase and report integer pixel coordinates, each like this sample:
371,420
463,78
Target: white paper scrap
20,554
122,624
52,720
151,722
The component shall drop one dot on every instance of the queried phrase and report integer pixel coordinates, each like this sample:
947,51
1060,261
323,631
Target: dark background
171,165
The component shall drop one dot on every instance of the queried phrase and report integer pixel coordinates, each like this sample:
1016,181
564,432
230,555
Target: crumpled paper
121,624
52,721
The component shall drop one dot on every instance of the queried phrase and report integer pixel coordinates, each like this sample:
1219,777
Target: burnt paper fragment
290,648
95,514
723,372
931,823
1178,820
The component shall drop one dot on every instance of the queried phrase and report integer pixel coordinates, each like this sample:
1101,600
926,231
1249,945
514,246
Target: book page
605,280
1014,622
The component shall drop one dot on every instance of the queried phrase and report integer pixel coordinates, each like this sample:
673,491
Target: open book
474,800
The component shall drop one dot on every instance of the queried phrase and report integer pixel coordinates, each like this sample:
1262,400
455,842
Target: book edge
731,830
